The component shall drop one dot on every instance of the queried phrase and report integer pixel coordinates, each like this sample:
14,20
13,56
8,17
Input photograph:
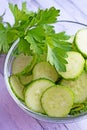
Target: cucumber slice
45,70
23,64
17,87
33,94
57,101
78,86
75,65
86,65
81,41
25,79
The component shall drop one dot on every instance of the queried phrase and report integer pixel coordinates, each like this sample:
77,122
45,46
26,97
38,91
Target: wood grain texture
11,116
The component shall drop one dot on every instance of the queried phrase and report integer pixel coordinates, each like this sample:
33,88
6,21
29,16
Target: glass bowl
71,28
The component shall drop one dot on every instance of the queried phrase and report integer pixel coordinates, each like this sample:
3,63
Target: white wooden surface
11,116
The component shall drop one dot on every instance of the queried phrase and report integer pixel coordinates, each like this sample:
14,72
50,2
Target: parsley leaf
4,43
36,34
57,58
1,17
57,50
36,39
47,16
19,15
23,46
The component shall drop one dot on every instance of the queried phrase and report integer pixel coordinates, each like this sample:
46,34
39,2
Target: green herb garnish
37,35
79,108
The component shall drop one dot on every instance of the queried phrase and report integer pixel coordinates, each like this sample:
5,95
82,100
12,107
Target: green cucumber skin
25,83
76,76
77,48
82,69
21,99
28,68
75,84
86,65
66,88
73,78
75,41
30,86
50,71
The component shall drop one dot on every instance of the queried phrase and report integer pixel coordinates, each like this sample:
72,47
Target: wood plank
69,10
11,116
46,4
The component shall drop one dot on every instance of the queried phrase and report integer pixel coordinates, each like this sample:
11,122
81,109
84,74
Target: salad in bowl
46,67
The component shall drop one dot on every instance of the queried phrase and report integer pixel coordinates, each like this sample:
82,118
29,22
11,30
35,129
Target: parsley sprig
37,35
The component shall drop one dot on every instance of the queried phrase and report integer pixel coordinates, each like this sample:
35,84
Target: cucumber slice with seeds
81,41
57,101
45,70
75,65
33,94
78,86
25,79
23,64
17,87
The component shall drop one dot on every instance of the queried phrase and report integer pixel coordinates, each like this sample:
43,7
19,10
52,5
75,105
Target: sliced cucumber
75,65
78,86
57,101
81,41
17,87
23,64
33,94
86,64
45,70
25,79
